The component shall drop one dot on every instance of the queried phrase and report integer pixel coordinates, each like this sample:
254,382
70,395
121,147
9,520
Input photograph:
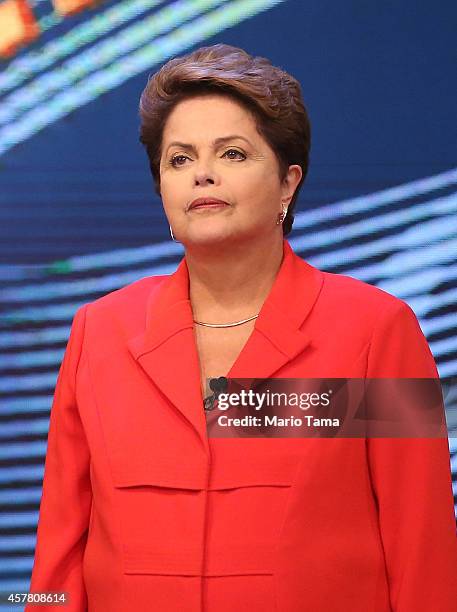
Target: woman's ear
290,183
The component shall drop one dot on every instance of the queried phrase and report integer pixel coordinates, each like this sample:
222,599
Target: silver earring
171,234
282,215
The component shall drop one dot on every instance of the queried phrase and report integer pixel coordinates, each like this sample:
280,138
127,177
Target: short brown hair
272,95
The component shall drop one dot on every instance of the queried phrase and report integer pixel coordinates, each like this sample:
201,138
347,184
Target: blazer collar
166,348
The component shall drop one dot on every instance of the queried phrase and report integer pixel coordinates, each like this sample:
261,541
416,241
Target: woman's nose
203,177
205,173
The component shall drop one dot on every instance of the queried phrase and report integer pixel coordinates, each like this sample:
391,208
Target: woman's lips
213,205
205,203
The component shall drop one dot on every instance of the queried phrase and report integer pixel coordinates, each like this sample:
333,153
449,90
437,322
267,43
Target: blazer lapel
167,350
277,336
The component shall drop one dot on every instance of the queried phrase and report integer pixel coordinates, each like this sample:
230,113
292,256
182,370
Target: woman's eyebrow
215,142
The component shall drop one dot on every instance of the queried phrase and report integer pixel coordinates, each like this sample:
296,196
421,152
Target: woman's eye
173,160
243,156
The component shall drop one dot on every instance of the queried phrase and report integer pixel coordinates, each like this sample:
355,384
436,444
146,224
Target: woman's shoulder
350,291
364,315
118,315
352,299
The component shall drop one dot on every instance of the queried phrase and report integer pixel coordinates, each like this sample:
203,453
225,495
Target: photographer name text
307,420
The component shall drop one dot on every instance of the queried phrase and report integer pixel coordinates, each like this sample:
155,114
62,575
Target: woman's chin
210,237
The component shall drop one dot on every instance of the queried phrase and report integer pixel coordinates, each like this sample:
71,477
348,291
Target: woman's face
211,148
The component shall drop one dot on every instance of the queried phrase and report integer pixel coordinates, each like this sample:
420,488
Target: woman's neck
232,283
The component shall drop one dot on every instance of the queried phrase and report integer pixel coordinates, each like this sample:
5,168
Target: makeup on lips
207,203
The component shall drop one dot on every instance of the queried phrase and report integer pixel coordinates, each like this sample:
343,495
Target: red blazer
142,512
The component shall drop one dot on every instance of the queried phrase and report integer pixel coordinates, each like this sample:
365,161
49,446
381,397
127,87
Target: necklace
226,324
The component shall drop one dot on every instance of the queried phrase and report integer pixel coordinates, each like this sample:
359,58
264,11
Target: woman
141,509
